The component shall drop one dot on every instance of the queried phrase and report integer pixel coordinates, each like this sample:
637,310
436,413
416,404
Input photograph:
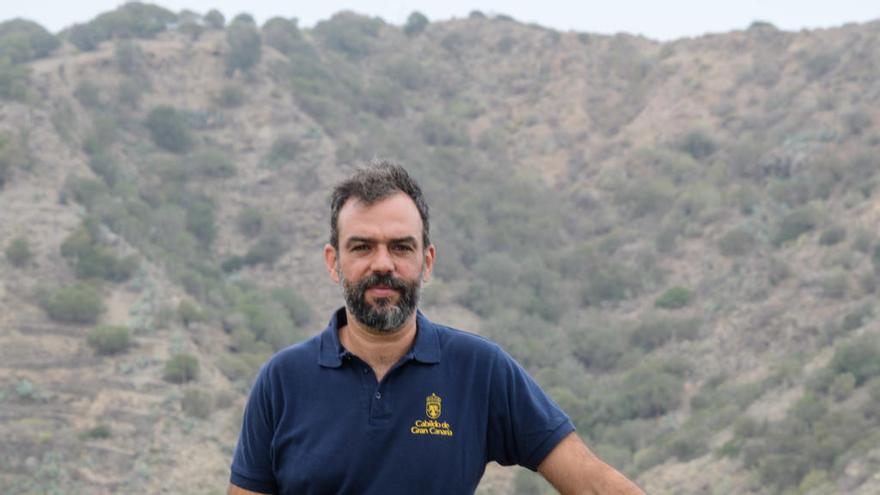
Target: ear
330,259
430,253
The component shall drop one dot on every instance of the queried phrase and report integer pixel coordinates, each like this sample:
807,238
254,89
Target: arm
236,490
573,470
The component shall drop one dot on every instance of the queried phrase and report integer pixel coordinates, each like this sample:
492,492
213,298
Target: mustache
384,280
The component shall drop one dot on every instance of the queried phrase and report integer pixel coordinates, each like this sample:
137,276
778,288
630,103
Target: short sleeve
252,461
524,423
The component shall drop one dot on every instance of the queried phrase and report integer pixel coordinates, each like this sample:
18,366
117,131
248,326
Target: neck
379,349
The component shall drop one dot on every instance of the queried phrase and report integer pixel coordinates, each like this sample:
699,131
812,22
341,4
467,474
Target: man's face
380,261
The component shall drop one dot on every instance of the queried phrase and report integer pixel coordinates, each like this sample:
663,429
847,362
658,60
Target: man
383,400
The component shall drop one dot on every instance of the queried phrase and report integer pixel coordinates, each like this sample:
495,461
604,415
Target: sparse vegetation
80,303
109,339
18,252
181,368
169,129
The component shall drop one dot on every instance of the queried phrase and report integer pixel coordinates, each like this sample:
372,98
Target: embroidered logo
431,426
432,406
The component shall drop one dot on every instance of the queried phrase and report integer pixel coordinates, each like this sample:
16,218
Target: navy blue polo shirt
318,422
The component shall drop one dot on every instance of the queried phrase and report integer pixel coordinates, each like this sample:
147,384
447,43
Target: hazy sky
659,19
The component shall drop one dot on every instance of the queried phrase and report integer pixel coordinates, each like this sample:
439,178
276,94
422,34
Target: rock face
574,181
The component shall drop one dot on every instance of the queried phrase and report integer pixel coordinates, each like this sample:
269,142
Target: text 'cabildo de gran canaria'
431,427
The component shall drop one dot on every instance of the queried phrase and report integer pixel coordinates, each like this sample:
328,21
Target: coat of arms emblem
432,406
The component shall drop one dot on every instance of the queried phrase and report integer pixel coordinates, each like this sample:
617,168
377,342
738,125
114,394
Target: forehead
393,217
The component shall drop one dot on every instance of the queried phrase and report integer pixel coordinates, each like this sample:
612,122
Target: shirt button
365,371
378,395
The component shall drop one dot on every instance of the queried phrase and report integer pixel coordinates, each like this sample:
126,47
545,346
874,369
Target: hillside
680,241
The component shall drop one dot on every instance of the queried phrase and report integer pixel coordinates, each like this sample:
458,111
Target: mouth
382,291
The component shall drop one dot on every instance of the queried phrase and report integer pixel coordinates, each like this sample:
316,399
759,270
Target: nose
382,262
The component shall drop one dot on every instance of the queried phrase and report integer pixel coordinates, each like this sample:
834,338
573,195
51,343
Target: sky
656,19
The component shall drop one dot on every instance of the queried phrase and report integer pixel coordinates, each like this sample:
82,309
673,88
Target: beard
382,316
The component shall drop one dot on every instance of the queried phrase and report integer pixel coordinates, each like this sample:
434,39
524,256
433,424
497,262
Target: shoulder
292,359
463,343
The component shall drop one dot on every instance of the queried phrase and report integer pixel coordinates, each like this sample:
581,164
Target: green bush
22,41
91,260
231,96
169,130
697,143
674,298
859,357
189,313
656,330
18,252
212,164
283,35
857,122
284,150
415,24
795,224
197,403
130,20
736,242
351,34
832,235
14,154
129,57
244,42
109,339
267,250
214,19
14,80
599,347
250,221
297,308
181,368
77,303
648,391
100,431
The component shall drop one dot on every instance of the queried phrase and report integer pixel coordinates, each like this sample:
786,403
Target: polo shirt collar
425,349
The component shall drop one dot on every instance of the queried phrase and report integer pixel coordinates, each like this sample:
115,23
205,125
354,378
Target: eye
403,248
360,247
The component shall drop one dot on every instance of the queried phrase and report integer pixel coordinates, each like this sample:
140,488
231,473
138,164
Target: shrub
109,339
14,153
131,20
674,298
181,368
97,432
231,97
415,24
736,242
197,403
351,34
14,79
440,131
129,57
215,19
598,347
832,235
77,303
212,164
18,252
244,44
297,307
857,122
795,224
284,150
697,143
268,249
22,41
656,330
189,313
283,35
649,391
859,357
200,219
250,221
169,129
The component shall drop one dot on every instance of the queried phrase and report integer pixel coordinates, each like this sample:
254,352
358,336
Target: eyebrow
369,240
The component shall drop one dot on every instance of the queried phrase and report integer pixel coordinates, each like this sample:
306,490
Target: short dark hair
373,183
